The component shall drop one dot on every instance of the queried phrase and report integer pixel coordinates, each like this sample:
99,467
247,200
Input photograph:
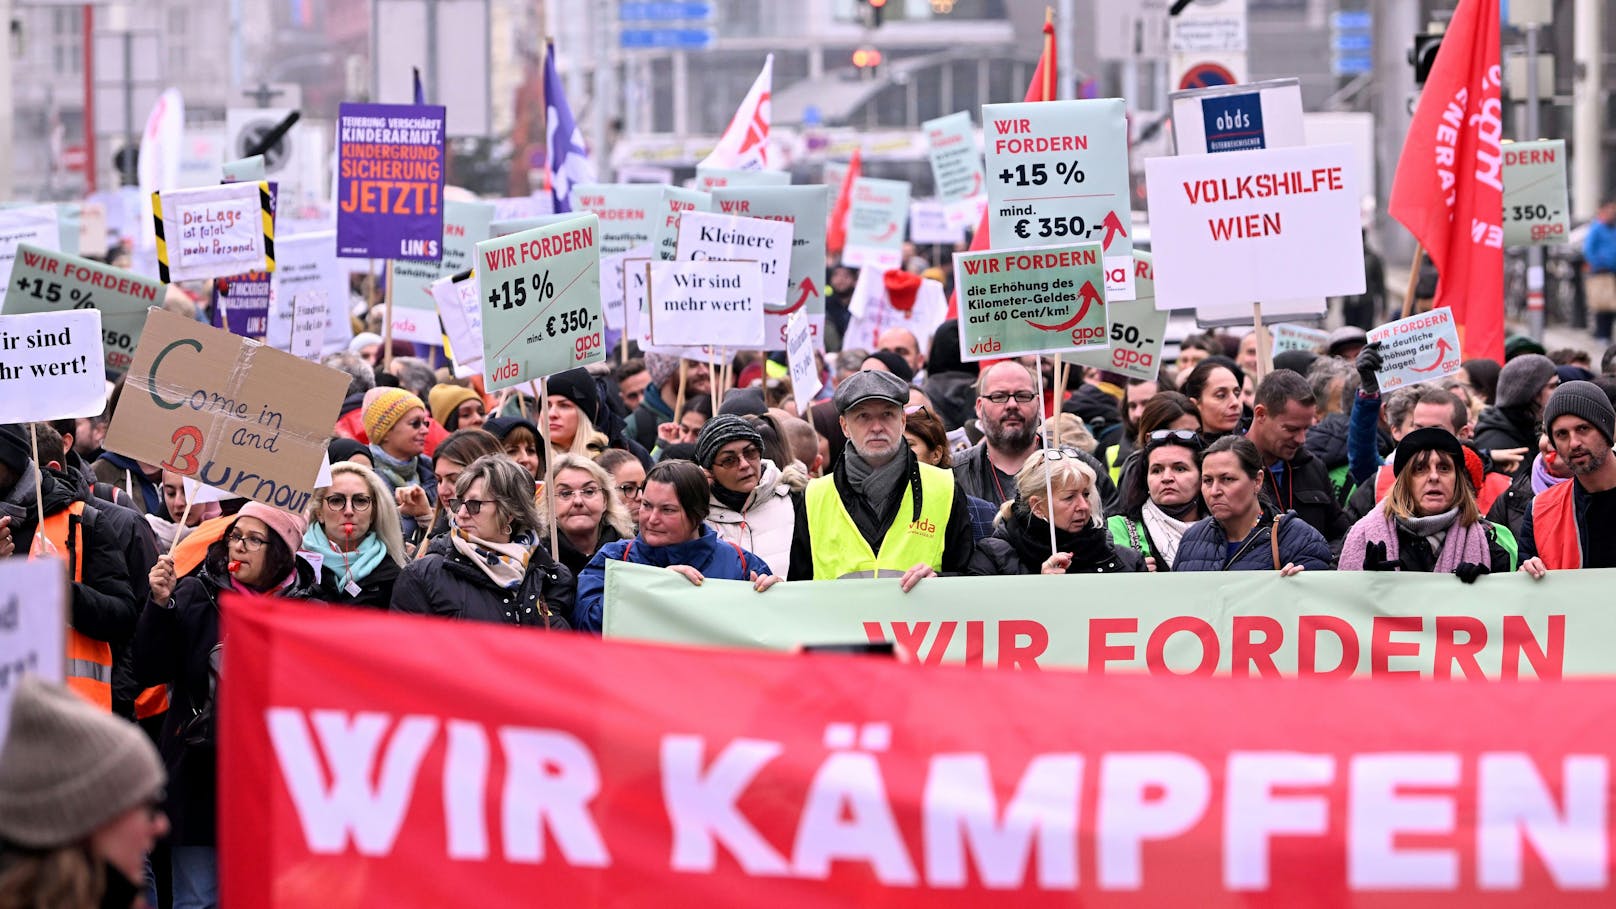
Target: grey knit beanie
68,767
1582,399
1522,378
720,431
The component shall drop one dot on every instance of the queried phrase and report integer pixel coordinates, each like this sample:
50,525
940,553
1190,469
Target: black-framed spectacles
338,502
247,543
473,507
1003,397
629,489
732,460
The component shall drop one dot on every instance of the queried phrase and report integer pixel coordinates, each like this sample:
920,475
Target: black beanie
1430,438
720,431
578,386
14,449
1585,400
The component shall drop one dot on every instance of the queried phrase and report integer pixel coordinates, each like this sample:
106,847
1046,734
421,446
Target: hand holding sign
1419,348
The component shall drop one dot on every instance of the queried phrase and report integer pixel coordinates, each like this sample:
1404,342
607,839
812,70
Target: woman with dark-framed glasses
753,504
1162,498
354,529
490,567
1056,487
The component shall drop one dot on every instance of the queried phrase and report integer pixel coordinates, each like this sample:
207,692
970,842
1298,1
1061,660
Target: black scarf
729,498
1028,535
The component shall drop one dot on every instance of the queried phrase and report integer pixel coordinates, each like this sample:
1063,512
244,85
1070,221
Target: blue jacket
1205,547
708,554
1599,246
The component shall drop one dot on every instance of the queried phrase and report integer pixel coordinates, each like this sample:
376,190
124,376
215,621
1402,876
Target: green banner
1536,209
541,301
1030,301
676,200
1239,623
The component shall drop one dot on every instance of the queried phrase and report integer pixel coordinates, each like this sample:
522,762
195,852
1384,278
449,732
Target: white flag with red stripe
745,144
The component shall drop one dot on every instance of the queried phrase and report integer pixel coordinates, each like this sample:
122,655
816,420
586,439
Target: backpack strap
1273,539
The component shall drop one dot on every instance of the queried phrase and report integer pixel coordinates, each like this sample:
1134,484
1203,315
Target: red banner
375,760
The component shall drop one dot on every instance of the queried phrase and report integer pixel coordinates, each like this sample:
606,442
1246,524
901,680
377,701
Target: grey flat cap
870,385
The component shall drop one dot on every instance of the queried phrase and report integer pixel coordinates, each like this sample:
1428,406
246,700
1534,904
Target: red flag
1042,88
836,233
1449,190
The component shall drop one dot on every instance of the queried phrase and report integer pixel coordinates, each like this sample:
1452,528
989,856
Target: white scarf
1165,532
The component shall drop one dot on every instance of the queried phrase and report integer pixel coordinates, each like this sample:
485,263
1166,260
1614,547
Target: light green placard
541,301
1536,209
675,201
244,170
956,162
1030,301
711,178
465,224
806,207
627,211
1245,623
876,223
44,280
1137,330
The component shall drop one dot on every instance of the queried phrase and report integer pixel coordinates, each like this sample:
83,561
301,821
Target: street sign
1352,42
665,38
663,12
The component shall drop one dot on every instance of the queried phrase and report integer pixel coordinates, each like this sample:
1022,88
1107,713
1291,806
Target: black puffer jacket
1020,545
1499,427
375,589
174,646
446,583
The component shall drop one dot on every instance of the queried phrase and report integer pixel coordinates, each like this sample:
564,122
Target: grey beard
1015,440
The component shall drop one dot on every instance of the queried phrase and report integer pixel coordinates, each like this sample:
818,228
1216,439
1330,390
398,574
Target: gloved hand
1369,363
1469,571
1374,558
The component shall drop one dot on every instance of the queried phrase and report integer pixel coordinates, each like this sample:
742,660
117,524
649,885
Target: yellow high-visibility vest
840,551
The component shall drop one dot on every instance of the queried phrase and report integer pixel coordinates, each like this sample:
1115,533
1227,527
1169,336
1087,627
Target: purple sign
241,304
390,181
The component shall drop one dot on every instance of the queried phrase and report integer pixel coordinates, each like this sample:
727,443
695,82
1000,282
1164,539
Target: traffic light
866,58
874,11
1422,55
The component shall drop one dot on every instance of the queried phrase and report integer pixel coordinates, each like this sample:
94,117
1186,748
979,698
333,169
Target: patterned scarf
1165,531
504,563
398,474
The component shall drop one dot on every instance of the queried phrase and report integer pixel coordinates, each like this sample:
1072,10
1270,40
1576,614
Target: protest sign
1241,117
1297,337
708,235
1030,301
1536,209
676,200
52,366
612,295
67,227
244,170
241,304
1242,623
692,303
461,312
92,229
465,224
711,178
390,160
308,262
214,231
1417,349
36,226
508,226
46,281
392,757
308,324
929,223
1138,329
1057,172
805,381
509,207
33,626
956,162
628,212
541,301
1270,225
806,209
876,220
636,308
226,410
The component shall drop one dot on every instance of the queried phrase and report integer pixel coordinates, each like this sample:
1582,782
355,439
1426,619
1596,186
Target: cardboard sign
1242,117
36,226
1297,337
244,170
541,301
1138,329
956,162
710,236
1057,172
1417,349
929,223
705,302
309,263
226,410
711,178
1031,301
805,381
876,222
214,231
33,625
628,212
806,208
461,311
676,200
1255,226
52,366
390,160
308,324
1536,210
46,281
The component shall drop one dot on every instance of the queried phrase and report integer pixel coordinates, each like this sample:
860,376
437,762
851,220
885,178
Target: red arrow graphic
1090,296
892,228
809,289
1113,226
1442,351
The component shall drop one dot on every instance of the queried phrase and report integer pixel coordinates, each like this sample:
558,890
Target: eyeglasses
338,502
629,490
473,507
247,543
419,423
916,409
567,495
1003,397
1065,451
732,460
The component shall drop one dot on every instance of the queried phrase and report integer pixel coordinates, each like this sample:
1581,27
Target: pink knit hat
286,525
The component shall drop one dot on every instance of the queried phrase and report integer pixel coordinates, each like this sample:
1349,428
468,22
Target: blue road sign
663,12
1352,41
1351,20
1351,64
665,38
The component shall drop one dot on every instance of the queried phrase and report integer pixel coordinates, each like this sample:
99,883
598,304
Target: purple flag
569,157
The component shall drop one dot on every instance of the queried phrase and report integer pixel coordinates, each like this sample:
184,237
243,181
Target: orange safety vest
1493,485
1554,526
89,661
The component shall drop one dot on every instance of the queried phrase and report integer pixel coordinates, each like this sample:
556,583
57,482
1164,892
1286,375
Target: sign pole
1413,280
679,401
1265,349
1049,448
39,487
185,515
387,319
541,388
437,511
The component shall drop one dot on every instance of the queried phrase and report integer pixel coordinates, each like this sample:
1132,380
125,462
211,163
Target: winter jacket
1511,508
1414,554
174,646
1327,441
973,472
1527,538
375,589
642,424
1020,545
1205,547
576,559
122,472
1498,427
768,523
444,582
1097,409
709,554
351,421
1304,486
953,397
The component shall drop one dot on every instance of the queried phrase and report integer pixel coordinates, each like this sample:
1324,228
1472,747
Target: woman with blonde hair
1429,520
354,528
1055,486
588,510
